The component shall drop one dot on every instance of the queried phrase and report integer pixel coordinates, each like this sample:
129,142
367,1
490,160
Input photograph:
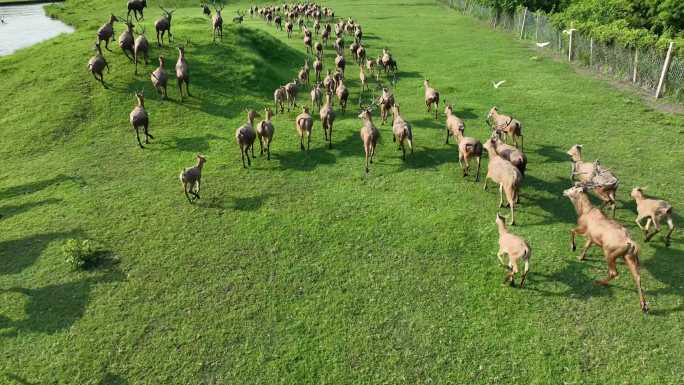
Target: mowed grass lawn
302,270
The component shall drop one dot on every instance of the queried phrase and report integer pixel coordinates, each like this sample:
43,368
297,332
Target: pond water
25,25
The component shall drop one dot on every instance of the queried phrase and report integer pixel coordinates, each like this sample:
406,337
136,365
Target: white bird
544,44
497,85
569,31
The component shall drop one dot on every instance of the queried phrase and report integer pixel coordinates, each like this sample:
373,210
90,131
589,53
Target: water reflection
24,25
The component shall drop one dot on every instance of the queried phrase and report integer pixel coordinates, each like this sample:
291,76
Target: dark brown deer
139,118
137,6
97,64
126,40
106,32
163,25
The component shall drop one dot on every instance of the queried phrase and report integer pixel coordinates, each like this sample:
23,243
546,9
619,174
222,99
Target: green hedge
640,23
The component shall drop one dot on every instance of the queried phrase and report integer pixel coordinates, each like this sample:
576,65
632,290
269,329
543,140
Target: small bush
80,254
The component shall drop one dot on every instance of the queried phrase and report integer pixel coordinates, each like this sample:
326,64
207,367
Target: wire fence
640,66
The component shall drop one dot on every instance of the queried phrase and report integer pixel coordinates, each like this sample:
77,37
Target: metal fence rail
642,67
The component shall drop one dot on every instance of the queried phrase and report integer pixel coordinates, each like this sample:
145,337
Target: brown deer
612,237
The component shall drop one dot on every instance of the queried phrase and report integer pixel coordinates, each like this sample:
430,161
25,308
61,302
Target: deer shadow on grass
553,154
195,144
107,379
32,187
52,308
467,113
666,266
409,74
428,123
548,196
18,379
112,379
430,158
12,210
248,203
19,254
317,155
579,284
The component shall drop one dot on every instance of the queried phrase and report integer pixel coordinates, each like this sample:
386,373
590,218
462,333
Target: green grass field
302,270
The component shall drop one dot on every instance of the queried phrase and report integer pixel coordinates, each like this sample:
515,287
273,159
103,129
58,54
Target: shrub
79,254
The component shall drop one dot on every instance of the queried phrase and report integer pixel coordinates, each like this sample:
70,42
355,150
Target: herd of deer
507,163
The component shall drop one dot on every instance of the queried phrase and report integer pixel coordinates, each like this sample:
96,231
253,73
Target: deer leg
137,134
261,146
301,142
656,228
102,81
251,146
638,222
612,271
125,51
513,266
308,140
573,234
500,196
500,255
268,149
366,147
511,203
647,228
587,245
330,143
185,190
147,135
242,154
668,237
403,150
477,176
632,262
158,42
180,89
484,188
460,163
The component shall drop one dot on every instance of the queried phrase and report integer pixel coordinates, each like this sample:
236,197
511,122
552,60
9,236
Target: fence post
570,46
536,28
666,67
591,52
636,64
522,28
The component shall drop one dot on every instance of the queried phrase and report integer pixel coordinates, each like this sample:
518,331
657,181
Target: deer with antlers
163,25
217,23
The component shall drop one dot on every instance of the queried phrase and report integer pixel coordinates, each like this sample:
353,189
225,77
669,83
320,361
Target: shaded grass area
302,269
